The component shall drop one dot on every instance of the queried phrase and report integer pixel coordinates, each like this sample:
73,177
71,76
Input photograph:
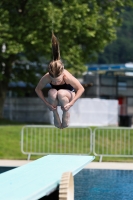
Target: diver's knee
52,93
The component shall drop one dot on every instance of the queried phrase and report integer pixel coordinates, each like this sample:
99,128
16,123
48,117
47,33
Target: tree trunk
6,74
3,92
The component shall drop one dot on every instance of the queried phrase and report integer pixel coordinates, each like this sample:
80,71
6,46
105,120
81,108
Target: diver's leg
53,100
64,97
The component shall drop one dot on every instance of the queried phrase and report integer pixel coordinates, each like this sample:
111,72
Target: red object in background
123,105
120,100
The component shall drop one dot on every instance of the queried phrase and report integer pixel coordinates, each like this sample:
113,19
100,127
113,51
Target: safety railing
43,140
113,142
102,141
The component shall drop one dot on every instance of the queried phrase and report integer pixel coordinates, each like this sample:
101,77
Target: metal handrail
113,142
43,140
81,140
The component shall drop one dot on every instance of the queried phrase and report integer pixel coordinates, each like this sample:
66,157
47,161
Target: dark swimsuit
63,86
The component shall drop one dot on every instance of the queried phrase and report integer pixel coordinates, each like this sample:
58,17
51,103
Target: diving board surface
40,177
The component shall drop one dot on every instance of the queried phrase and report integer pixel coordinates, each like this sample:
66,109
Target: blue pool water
5,169
94,184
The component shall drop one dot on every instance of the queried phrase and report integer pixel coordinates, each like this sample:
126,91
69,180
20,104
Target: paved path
92,165
13,163
110,165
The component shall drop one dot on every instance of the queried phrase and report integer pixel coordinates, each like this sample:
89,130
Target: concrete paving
92,165
13,163
110,165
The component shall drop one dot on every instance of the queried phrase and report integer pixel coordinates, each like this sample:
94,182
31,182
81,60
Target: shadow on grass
10,122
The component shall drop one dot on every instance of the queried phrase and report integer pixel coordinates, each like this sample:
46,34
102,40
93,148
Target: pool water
94,184
5,169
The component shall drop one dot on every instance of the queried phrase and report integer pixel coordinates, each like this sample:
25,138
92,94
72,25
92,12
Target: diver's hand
51,107
67,106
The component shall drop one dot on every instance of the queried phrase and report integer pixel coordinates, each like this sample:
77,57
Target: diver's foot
65,119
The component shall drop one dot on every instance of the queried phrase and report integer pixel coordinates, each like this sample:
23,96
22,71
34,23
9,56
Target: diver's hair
55,48
55,68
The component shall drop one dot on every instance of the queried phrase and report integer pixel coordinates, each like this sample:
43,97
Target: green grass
10,144
8,122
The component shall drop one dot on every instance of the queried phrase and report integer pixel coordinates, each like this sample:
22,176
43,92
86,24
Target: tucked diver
65,88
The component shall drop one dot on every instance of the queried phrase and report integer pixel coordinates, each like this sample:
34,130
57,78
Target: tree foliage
82,27
120,50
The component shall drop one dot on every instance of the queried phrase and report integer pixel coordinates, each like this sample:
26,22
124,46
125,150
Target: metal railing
43,140
102,141
113,142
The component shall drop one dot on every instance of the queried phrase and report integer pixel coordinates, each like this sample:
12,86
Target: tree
83,28
120,50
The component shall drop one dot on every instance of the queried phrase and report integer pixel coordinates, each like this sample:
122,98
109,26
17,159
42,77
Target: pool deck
92,165
110,165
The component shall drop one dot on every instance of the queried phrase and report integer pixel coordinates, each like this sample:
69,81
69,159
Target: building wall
112,87
27,110
32,110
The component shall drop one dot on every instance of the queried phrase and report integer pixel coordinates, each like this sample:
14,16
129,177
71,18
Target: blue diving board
40,177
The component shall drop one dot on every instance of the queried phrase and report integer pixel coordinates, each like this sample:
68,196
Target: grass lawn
10,148
10,141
